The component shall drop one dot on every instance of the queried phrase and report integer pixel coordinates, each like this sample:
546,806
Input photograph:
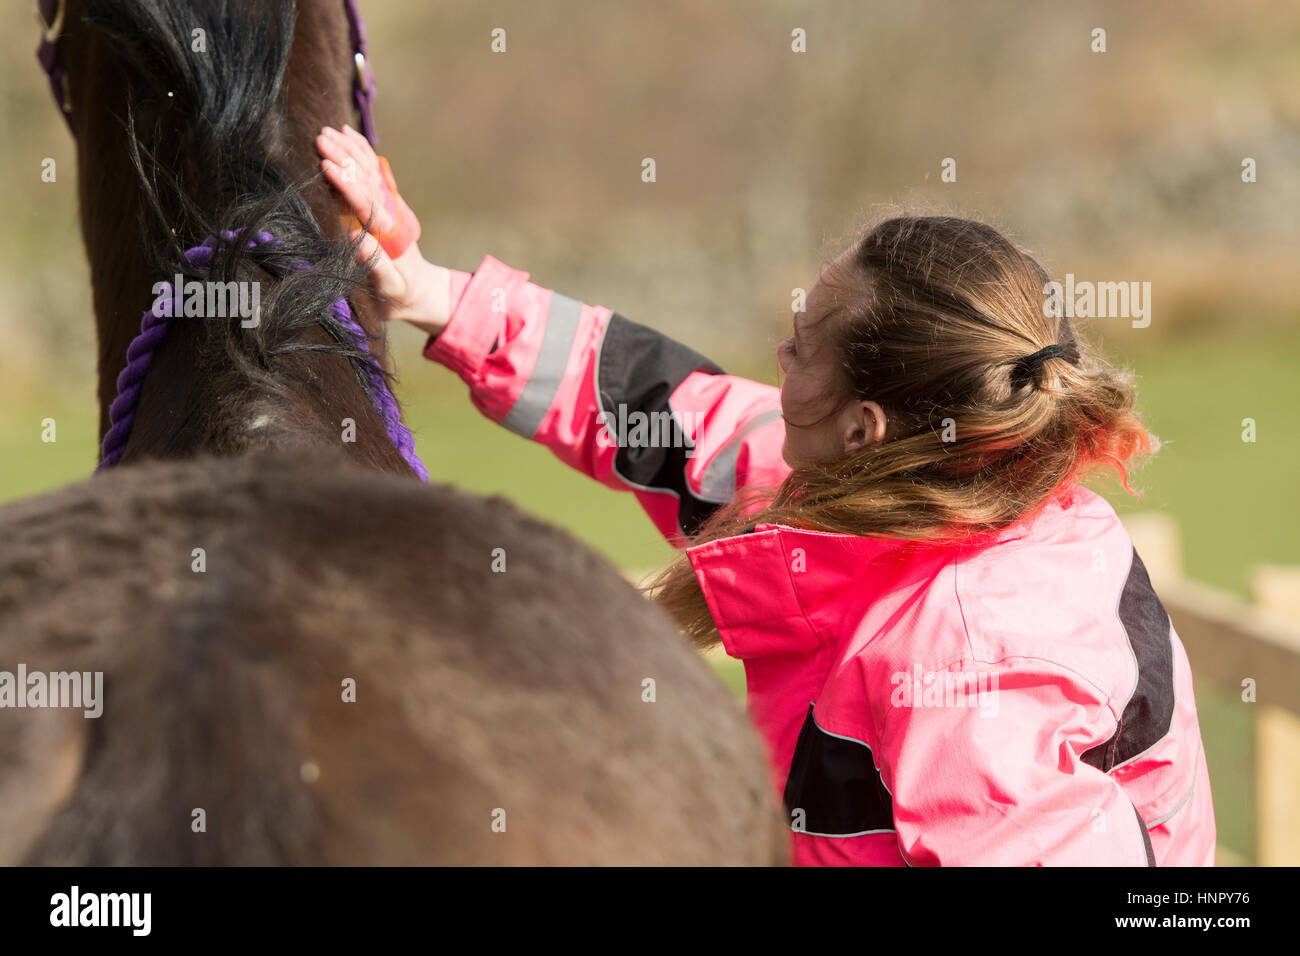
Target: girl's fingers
386,281
353,168
345,151
358,194
367,245
356,146
359,143
331,146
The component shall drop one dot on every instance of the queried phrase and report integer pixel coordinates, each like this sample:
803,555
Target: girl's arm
616,400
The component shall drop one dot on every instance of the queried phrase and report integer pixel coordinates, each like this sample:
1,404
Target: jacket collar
782,590
768,588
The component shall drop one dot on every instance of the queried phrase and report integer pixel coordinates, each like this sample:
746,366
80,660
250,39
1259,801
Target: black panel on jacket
836,784
1149,713
639,369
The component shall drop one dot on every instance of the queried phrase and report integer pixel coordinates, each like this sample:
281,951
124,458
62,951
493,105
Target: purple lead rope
153,328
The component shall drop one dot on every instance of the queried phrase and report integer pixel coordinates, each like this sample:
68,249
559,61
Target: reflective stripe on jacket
1021,699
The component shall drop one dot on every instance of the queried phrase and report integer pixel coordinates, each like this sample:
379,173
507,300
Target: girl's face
820,426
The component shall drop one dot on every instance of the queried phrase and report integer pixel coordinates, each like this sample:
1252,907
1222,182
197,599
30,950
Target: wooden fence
1250,651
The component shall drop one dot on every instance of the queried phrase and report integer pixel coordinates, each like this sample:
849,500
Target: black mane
198,134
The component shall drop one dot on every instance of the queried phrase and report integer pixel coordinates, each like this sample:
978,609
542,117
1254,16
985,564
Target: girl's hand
408,287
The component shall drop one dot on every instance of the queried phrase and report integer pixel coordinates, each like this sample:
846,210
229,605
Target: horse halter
52,13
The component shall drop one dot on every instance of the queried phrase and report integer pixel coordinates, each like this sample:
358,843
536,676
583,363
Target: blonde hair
934,320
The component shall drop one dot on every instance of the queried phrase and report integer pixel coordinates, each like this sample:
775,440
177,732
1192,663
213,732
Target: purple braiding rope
380,394
153,328
382,397
139,356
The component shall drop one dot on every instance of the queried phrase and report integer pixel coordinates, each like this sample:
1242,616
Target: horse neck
191,401
194,400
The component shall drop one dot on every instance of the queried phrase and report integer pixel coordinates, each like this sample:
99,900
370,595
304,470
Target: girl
951,649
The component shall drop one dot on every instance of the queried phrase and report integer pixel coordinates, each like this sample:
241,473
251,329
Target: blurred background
1117,166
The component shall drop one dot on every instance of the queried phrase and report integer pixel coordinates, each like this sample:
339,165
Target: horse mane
201,132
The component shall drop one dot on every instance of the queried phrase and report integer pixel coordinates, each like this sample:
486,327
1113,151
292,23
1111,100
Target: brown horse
499,717
303,659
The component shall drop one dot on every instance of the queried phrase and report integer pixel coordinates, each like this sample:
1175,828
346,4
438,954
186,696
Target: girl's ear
866,425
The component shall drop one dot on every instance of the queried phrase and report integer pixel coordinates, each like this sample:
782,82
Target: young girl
951,648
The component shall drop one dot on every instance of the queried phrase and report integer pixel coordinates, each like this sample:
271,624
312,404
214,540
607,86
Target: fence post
1276,590
1157,541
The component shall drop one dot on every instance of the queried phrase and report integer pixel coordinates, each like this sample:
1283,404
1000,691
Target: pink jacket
1019,700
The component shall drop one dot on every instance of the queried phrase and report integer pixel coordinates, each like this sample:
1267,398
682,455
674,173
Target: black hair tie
1026,369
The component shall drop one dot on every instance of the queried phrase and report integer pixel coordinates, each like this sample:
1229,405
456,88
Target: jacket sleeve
616,400
999,782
